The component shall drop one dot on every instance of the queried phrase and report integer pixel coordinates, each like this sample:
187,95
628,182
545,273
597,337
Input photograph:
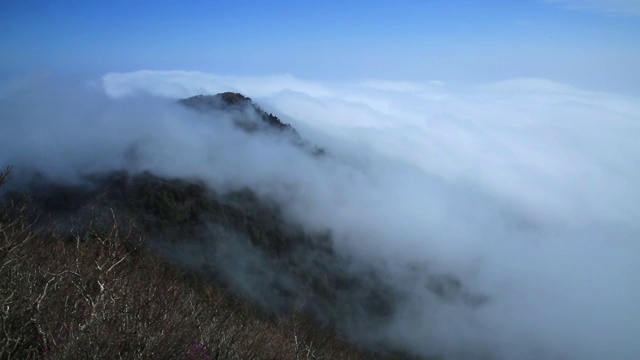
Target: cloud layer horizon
525,189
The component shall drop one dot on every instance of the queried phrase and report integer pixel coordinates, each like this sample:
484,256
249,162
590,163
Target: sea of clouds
527,190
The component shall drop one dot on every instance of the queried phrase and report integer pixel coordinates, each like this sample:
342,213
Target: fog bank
526,190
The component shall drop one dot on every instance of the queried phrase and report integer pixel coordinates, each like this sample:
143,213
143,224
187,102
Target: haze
494,141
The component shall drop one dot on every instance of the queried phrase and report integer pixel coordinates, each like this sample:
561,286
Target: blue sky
588,43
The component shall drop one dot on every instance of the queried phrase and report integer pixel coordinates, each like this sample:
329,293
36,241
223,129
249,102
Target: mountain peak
217,101
229,101
235,101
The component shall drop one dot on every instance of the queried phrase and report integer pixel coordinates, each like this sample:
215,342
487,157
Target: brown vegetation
95,291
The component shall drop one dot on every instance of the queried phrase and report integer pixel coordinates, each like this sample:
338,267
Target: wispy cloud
609,7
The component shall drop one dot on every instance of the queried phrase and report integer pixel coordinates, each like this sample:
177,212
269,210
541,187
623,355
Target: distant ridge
229,101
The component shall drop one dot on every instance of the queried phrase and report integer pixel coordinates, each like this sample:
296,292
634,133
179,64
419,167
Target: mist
525,190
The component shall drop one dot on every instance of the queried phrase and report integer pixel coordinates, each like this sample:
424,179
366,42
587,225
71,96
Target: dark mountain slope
89,288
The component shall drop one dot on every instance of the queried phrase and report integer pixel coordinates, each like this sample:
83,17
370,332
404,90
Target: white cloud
526,189
474,133
611,7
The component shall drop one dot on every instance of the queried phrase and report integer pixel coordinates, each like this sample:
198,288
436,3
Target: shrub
95,291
